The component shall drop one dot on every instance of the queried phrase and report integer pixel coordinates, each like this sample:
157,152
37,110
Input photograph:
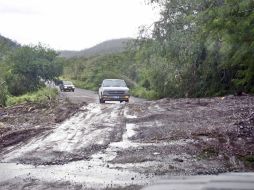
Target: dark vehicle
113,90
67,86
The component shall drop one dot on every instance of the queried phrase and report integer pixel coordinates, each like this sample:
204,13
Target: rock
2,125
178,160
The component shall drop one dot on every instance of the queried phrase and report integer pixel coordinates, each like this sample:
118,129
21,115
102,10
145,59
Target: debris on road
125,145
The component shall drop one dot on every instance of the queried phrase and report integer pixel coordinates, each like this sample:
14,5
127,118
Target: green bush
41,96
143,93
3,94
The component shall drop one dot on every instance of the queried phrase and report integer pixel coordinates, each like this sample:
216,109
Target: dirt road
82,95
127,146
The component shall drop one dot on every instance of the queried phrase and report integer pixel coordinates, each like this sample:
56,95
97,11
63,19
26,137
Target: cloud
72,24
12,9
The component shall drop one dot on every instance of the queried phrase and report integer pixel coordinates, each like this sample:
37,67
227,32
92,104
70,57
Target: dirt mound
197,130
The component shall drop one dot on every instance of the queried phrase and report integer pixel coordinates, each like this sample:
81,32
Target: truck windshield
67,83
113,83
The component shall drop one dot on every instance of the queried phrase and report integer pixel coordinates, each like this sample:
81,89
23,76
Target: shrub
3,94
144,93
41,96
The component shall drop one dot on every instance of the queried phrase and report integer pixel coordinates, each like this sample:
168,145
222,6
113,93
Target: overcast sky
72,24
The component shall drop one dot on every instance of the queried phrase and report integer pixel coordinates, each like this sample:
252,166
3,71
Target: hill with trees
6,45
106,47
196,49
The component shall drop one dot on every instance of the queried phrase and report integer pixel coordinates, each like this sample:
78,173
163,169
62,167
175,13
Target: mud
125,146
23,122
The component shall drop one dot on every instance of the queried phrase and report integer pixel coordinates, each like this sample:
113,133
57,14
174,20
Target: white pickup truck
113,90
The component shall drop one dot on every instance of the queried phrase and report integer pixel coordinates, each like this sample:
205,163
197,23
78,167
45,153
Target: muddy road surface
127,146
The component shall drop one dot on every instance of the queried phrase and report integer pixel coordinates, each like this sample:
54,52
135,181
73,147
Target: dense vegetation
197,48
209,44
24,69
42,96
91,71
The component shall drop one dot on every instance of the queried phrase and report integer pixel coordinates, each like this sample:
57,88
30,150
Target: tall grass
41,96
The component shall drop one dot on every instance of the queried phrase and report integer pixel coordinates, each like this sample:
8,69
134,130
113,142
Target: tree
30,66
209,44
231,24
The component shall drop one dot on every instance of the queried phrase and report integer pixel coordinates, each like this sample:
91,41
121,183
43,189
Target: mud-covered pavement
126,146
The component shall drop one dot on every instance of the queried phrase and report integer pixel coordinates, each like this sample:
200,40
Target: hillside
6,45
106,47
